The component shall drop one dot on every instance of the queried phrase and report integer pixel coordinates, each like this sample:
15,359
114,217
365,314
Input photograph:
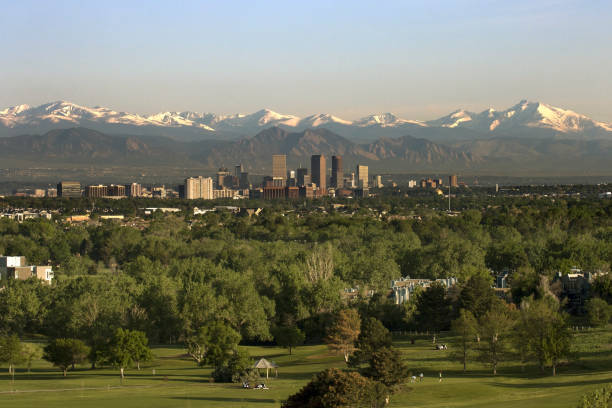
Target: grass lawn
179,383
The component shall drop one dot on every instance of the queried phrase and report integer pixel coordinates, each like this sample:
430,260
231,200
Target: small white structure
263,363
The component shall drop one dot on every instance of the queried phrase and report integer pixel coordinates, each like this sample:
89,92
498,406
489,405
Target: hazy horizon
418,60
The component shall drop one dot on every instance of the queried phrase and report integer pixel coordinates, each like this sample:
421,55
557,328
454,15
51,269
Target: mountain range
86,148
525,120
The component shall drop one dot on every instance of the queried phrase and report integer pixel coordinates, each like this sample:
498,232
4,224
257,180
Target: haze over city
419,60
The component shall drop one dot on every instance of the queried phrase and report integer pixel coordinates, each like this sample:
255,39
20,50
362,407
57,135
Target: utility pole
449,192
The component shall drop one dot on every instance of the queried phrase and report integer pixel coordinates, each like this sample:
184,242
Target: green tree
343,333
10,353
598,311
600,398
30,352
495,327
64,353
331,388
372,337
523,283
477,296
125,348
433,310
602,286
465,327
237,368
386,366
214,344
288,337
546,330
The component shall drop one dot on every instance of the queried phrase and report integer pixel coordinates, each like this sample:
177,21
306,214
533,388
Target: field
178,383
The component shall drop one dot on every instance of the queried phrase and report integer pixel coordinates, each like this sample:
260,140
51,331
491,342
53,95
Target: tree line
281,276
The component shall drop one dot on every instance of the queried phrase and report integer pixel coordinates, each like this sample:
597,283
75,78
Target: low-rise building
15,267
576,286
405,287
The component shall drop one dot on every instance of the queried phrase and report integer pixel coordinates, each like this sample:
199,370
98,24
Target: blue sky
417,59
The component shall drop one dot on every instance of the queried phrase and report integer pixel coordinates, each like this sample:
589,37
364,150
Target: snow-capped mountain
322,119
385,120
522,117
525,119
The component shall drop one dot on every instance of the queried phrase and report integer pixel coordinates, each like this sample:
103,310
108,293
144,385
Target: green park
388,301
172,379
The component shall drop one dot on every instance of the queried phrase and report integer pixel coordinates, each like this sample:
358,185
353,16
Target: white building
15,267
405,287
199,187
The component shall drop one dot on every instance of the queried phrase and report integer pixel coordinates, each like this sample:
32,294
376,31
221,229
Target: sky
419,60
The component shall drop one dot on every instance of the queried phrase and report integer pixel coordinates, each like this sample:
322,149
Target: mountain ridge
525,119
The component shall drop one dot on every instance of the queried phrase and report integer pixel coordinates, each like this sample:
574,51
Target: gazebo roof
263,363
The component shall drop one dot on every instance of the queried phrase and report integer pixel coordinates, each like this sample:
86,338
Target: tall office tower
301,172
133,190
279,166
318,175
199,187
223,178
291,179
244,180
337,175
238,169
378,181
362,176
453,181
69,189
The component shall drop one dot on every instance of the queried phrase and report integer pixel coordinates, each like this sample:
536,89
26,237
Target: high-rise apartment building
69,189
318,172
133,190
199,187
96,191
115,190
362,176
453,180
279,166
337,175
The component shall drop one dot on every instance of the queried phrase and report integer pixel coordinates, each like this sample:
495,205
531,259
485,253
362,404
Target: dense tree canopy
293,265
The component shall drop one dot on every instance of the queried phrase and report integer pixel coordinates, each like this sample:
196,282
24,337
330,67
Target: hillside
81,147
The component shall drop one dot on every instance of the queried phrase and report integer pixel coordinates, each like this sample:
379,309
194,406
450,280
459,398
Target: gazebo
263,363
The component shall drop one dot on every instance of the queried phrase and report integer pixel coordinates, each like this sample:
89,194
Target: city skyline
417,60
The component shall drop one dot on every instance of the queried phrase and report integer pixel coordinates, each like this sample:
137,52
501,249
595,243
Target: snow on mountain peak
511,121
322,119
385,120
